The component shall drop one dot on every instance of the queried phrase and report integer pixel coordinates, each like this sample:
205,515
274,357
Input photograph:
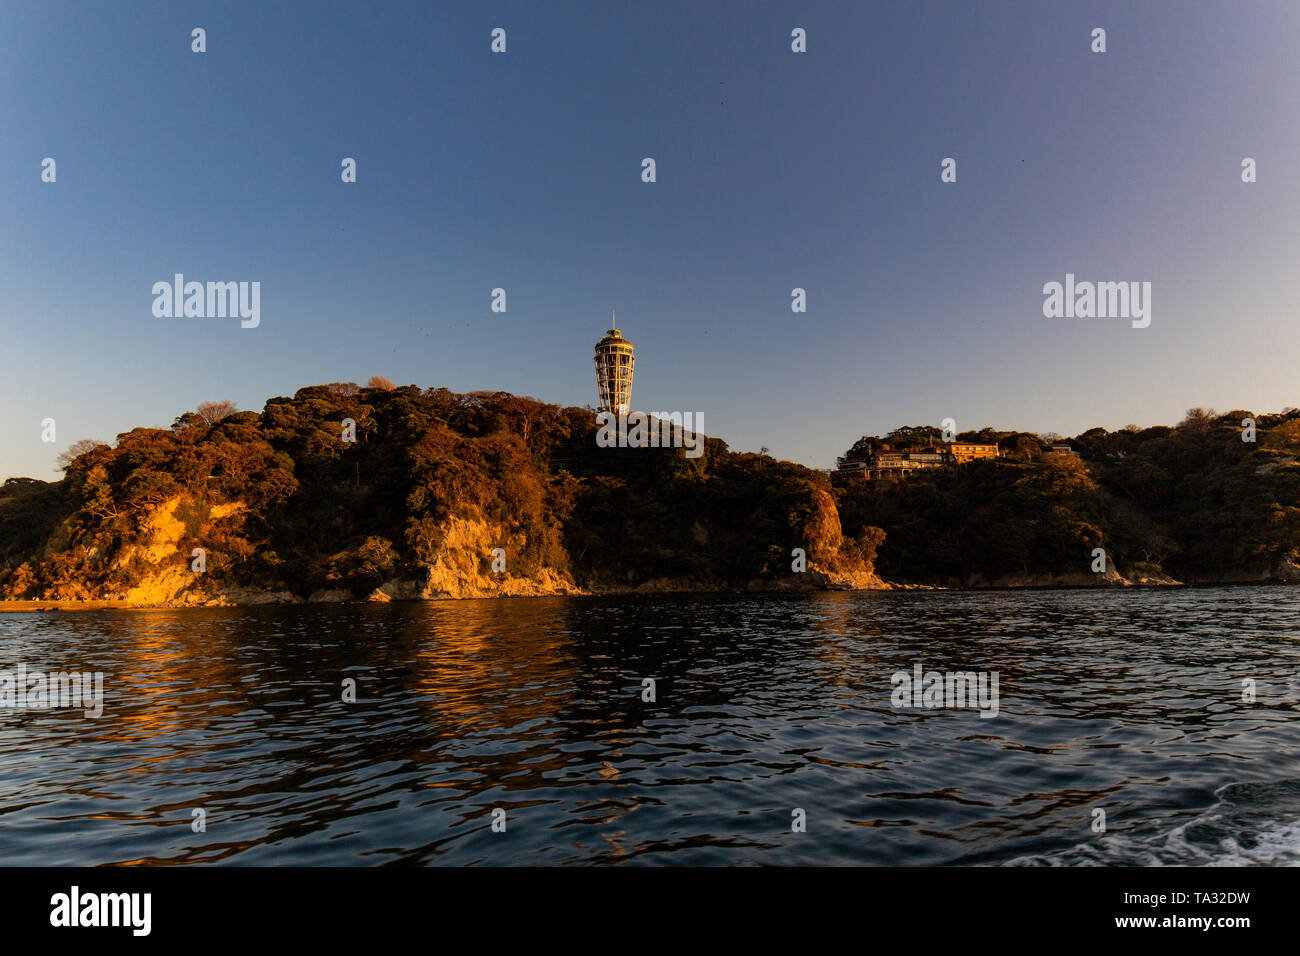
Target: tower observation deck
614,364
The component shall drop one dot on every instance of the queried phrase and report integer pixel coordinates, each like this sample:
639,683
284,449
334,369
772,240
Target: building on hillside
927,457
889,463
893,462
1061,448
963,452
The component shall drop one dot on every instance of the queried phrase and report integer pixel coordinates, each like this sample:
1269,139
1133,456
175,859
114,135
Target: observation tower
614,362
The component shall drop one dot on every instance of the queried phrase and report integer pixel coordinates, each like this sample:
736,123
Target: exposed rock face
1287,571
1075,579
244,597
462,569
818,580
829,568
822,528
462,566
1154,579
170,580
162,568
400,591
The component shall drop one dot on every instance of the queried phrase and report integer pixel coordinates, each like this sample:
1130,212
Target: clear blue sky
775,170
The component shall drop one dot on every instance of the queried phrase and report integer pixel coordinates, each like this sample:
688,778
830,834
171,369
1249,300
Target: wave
1252,824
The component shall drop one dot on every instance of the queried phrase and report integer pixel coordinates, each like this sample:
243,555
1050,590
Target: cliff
348,493
345,493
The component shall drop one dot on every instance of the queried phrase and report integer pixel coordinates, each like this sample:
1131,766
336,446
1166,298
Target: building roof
614,338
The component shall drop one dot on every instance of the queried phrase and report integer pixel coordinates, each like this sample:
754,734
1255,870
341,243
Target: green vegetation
278,500
1194,502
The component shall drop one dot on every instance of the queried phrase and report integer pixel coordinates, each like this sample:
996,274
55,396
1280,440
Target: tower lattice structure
614,364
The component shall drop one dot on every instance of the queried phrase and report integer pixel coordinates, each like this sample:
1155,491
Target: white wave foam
1252,825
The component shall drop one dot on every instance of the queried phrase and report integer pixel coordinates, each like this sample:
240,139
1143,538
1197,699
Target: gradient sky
775,170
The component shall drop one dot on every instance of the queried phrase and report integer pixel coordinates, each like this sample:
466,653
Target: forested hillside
282,505
1193,502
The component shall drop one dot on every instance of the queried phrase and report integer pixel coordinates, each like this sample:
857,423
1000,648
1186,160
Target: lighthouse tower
614,362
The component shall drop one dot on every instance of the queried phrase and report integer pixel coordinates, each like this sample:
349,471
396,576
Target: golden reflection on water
172,666
478,667
535,706
493,665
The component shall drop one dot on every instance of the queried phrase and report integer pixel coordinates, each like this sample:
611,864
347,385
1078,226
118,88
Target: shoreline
100,604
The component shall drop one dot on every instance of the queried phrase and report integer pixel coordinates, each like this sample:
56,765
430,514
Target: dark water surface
1129,701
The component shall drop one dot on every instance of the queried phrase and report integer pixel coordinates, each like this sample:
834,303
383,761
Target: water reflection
764,704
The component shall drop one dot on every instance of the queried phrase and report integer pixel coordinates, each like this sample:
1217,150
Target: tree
213,412
77,449
915,435
984,436
863,448
378,381
1199,417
